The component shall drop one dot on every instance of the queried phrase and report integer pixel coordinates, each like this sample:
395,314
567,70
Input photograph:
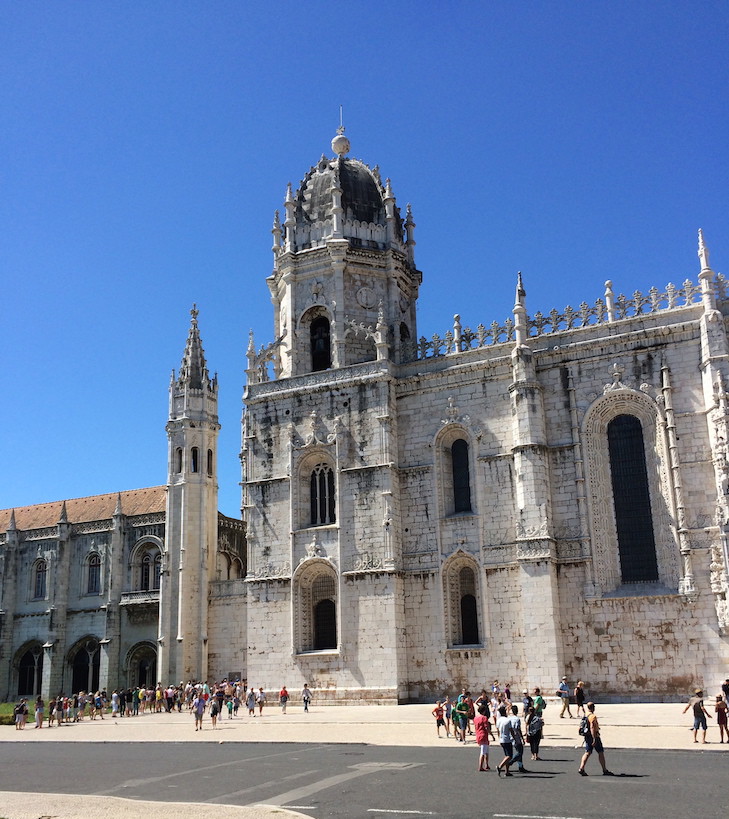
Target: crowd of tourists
225,697
515,722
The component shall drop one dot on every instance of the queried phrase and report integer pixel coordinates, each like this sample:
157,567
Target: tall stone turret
536,548
192,509
344,283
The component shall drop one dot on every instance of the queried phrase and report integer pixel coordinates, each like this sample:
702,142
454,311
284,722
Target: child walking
438,713
482,726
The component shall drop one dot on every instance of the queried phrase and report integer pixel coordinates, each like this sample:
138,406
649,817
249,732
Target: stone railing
133,597
605,310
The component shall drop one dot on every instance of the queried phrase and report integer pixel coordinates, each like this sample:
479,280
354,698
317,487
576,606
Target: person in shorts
506,738
700,713
593,743
438,713
198,709
482,727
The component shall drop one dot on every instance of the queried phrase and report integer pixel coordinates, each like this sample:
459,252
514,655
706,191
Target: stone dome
362,194
341,198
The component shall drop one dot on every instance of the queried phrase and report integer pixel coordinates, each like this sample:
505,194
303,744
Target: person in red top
283,698
438,712
482,727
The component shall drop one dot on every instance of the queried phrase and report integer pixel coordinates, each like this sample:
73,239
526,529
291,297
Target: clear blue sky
145,146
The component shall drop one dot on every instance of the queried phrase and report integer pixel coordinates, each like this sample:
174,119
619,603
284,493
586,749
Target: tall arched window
469,616
39,579
195,459
146,567
210,463
325,613
462,602
145,581
178,460
461,476
93,582
322,495
316,602
631,498
321,352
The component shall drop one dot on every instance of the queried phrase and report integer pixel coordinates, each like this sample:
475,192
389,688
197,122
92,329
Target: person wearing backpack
590,730
534,728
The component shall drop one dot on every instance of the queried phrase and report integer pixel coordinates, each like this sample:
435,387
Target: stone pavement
653,725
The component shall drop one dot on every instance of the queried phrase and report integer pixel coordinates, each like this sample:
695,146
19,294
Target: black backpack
584,727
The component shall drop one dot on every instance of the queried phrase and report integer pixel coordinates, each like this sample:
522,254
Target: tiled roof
83,510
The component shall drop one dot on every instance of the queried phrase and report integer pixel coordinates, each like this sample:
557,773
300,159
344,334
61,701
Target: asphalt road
366,781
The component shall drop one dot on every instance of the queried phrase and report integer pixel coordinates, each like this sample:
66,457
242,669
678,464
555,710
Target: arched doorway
85,664
30,671
142,665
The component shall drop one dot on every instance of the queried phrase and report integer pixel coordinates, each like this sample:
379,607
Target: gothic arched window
461,476
321,351
93,581
462,602
317,604
469,617
40,574
178,460
322,495
631,498
157,571
195,459
210,463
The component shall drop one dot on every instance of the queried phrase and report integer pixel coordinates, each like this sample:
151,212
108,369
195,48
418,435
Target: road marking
531,816
271,784
134,783
354,772
400,812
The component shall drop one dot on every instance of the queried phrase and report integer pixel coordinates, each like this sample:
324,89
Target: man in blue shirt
564,692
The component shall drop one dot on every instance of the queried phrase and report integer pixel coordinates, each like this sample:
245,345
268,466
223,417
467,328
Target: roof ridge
121,492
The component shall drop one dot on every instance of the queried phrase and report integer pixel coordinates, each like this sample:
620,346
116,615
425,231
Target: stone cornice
320,381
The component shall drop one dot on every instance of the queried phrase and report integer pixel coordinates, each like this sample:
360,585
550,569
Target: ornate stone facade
541,496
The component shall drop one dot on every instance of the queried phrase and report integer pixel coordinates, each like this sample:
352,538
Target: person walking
447,708
518,755
593,743
482,727
564,692
700,713
283,698
251,703
506,738
438,713
579,694
306,697
460,719
198,709
261,700
534,728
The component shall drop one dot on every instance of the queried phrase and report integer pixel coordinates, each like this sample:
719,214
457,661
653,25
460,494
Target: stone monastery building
519,501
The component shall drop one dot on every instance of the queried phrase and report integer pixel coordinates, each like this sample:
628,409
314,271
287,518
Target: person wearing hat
564,693
700,713
526,701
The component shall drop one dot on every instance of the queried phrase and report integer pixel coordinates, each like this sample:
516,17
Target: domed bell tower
344,283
